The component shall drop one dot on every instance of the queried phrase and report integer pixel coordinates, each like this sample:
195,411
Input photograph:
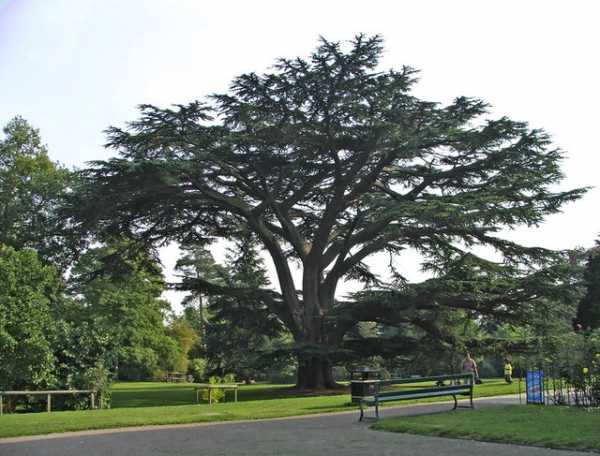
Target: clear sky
74,67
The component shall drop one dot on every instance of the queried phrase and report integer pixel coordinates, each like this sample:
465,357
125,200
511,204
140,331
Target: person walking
469,366
508,369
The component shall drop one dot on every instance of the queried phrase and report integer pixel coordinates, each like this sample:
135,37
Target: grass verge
157,394
256,402
546,426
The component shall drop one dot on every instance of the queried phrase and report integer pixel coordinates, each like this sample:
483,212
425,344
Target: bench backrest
433,378
428,391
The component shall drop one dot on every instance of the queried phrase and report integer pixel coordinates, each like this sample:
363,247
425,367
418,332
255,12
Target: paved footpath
328,435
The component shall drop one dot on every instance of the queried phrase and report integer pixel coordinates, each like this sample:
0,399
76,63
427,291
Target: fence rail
48,394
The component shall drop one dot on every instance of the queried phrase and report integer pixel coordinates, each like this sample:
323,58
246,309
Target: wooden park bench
380,391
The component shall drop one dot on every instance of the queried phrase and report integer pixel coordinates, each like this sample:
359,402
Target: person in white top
469,366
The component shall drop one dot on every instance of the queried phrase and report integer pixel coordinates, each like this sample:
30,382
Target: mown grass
547,426
155,394
137,404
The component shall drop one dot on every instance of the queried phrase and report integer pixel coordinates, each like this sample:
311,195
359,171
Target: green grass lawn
136,404
154,394
548,426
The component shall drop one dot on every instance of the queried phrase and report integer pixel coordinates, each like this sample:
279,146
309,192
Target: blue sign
535,386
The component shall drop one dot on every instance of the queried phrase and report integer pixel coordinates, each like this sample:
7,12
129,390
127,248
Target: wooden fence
93,394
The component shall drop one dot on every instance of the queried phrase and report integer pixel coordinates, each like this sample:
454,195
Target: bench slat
437,390
388,397
398,381
380,399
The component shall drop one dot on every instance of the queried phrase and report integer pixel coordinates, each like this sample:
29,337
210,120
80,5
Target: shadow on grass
186,395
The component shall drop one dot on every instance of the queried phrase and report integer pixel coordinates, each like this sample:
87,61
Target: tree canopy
119,287
32,189
588,311
243,331
28,292
327,161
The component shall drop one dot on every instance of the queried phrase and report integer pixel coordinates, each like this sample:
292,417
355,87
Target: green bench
460,385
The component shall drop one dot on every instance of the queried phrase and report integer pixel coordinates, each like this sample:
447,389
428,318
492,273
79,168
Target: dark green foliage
588,312
462,309
242,330
41,345
32,189
198,262
28,291
120,287
328,161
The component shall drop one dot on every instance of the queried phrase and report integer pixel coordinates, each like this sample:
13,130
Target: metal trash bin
364,383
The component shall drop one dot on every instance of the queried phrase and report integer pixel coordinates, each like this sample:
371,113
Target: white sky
74,67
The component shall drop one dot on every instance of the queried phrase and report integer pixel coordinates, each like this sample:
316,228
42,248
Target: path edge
154,427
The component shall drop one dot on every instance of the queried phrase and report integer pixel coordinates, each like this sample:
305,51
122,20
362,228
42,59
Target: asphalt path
327,434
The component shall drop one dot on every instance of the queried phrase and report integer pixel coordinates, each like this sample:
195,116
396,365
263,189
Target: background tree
242,330
28,291
119,287
198,262
186,337
588,311
329,160
32,190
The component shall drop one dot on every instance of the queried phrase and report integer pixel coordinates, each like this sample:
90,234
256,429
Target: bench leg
362,412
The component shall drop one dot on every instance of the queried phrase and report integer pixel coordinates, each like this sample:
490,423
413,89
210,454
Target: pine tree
242,329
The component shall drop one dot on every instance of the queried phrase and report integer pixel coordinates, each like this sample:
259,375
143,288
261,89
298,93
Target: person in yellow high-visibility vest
508,371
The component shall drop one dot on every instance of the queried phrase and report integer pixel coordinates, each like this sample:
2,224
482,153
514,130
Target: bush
197,368
575,359
159,375
95,378
98,379
217,394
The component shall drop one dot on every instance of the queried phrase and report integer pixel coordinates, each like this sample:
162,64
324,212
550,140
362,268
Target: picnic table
216,386
176,377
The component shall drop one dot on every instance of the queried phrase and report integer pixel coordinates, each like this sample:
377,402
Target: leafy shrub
217,394
197,368
575,359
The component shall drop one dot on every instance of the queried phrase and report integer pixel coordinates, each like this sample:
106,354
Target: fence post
49,402
92,401
1,405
